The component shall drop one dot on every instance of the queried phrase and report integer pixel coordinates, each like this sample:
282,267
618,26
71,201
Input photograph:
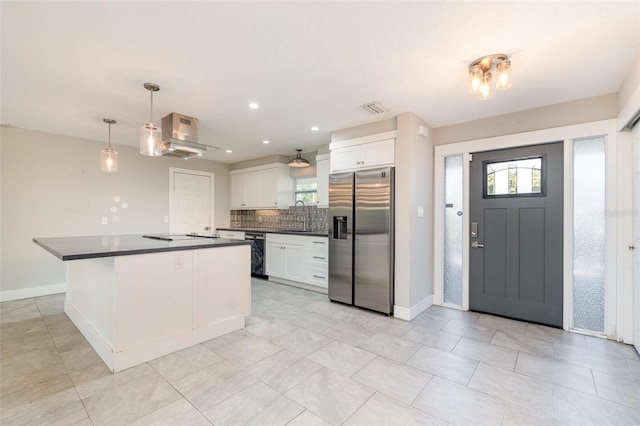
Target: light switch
105,220
166,219
420,211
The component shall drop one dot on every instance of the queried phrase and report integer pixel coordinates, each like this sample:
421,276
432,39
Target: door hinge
470,157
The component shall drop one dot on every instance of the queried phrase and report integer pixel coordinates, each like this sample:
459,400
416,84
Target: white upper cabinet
262,187
322,175
362,154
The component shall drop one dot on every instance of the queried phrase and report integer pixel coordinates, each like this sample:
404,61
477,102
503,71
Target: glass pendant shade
150,134
485,87
109,160
150,140
475,80
504,75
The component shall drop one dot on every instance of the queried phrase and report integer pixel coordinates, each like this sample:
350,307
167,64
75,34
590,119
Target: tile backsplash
289,219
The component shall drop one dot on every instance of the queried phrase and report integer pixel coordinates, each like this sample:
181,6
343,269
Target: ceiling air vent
375,107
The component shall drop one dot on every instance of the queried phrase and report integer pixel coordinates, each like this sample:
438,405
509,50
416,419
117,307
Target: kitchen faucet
304,215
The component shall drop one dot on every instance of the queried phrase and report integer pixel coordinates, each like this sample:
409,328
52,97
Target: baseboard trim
297,284
25,293
408,314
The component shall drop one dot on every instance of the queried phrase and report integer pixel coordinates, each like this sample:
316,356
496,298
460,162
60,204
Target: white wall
581,111
414,234
52,186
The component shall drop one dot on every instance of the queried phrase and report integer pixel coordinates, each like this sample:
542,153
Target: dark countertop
90,247
278,231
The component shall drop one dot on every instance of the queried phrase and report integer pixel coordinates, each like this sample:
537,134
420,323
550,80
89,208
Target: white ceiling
66,65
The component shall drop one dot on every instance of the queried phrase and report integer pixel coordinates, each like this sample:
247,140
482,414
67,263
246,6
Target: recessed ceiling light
254,105
265,142
315,128
228,151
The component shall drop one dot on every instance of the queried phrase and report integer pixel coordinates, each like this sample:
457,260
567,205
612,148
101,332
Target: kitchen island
135,298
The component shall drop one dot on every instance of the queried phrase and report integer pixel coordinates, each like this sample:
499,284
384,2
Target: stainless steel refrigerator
361,238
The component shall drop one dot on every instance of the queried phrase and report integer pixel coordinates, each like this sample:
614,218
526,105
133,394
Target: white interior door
191,202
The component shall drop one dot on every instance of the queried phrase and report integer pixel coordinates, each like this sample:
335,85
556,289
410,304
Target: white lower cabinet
298,258
285,260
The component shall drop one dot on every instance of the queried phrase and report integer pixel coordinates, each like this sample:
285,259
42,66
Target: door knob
206,228
475,244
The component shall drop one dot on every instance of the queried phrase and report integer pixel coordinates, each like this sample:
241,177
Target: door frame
210,175
616,324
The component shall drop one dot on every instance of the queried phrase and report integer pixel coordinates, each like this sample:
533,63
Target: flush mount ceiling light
298,161
265,141
480,74
150,134
315,128
109,156
254,105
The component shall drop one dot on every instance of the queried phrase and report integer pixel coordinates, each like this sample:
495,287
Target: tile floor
303,360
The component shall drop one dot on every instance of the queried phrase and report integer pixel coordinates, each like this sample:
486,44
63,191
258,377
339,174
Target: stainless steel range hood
180,137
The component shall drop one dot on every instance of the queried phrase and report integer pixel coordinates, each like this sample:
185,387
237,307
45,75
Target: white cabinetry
363,153
322,176
262,187
298,259
285,260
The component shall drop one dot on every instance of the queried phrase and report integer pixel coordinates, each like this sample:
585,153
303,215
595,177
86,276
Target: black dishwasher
258,253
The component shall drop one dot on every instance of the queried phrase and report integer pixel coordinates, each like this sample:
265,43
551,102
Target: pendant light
298,161
151,134
109,156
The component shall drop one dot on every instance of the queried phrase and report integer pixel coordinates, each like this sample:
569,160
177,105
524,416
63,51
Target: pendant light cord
109,137
151,109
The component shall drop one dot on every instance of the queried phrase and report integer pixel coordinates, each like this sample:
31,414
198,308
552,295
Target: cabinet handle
318,276
318,257
318,242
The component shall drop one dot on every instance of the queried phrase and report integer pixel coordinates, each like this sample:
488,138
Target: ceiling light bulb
254,105
265,142
315,128
228,151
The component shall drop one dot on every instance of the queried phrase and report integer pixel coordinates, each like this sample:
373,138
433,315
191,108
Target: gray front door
515,261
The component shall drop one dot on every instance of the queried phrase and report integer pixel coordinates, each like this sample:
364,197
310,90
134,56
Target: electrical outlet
178,261
105,220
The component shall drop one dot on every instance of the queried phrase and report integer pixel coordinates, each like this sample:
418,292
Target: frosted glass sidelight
589,233
453,230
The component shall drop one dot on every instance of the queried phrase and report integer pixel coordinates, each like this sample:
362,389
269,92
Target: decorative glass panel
589,233
514,177
453,230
